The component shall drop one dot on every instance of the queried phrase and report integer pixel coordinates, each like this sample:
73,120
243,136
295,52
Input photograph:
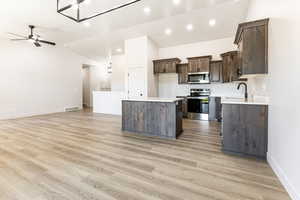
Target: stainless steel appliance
198,104
199,78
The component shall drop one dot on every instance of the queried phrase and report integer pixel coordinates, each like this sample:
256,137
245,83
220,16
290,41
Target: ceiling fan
34,38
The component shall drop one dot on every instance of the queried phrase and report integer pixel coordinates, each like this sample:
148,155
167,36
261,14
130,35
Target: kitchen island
153,117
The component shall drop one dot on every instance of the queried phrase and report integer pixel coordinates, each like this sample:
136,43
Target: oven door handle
198,98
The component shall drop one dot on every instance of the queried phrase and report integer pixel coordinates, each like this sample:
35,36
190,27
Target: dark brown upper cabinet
182,70
166,65
216,71
230,70
252,41
199,64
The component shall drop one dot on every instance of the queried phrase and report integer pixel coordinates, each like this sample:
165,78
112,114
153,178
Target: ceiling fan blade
17,35
46,42
37,44
18,39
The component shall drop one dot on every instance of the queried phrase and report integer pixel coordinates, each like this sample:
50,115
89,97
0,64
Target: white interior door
136,83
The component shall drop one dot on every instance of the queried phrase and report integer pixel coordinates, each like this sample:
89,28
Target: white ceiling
109,31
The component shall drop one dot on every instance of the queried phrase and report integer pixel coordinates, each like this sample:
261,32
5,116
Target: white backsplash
169,88
258,86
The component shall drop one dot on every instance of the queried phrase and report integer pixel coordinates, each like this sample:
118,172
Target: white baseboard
283,178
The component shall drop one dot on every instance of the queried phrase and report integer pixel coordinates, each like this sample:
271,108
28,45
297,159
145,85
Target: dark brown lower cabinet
184,106
215,109
245,129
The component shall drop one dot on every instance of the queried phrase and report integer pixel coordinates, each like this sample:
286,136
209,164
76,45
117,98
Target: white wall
152,78
136,57
38,80
118,74
168,83
282,85
139,53
214,48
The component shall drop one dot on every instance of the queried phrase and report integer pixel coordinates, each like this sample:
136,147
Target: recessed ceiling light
212,22
176,2
87,24
168,31
119,50
87,2
190,27
147,10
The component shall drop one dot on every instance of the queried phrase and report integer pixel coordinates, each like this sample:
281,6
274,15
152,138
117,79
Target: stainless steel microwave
198,78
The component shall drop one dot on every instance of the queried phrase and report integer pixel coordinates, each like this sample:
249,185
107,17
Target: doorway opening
86,87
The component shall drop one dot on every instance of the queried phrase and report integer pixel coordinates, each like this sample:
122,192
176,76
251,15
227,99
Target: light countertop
250,101
156,99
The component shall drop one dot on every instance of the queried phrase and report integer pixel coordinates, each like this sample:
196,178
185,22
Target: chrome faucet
246,89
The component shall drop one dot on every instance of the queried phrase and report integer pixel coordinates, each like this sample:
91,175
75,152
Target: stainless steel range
198,104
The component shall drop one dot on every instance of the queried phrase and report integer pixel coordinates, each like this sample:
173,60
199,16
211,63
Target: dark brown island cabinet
199,64
153,117
245,129
252,41
166,65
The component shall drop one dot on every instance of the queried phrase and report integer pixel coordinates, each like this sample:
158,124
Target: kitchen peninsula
153,117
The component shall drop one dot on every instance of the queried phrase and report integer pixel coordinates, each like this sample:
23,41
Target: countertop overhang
250,101
155,99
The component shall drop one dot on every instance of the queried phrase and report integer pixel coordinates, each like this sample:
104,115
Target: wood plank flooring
85,156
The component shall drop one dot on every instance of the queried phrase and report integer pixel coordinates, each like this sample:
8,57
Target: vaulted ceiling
109,31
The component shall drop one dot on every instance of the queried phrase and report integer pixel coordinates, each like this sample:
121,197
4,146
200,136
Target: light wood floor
72,156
